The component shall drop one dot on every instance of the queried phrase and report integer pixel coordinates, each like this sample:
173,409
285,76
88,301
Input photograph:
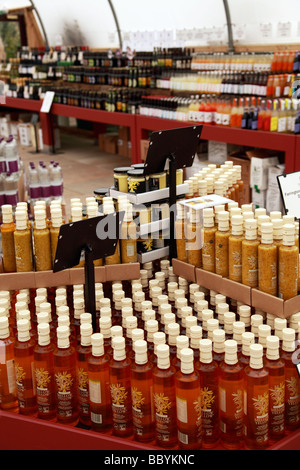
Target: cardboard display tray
237,291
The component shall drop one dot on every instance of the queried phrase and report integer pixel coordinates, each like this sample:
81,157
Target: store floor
84,166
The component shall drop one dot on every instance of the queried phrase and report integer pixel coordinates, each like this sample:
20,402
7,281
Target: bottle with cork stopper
292,384
164,396
256,401
276,369
231,387
8,391
66,379
209,233
24,368
267,262
44,374
120,389
188,403
250,246
222,242
288,265
8,228
235,245
23,243
99,392
141,392
42,243
208,370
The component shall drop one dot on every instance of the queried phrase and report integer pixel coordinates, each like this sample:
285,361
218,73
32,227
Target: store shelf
20,103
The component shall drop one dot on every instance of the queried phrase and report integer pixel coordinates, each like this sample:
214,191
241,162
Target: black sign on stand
172,150
96,238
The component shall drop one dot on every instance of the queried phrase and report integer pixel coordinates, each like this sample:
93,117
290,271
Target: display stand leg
89,288
172,202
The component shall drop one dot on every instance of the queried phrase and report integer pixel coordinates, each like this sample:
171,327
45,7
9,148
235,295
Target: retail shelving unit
141,125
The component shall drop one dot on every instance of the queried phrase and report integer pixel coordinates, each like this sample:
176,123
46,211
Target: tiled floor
84,166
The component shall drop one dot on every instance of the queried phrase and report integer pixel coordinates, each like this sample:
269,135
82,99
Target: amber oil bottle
8,391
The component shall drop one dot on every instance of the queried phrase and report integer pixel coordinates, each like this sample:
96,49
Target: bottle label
83,391
292,391
66,393
121,406
231,409
44,394
277,407
95,392
258,403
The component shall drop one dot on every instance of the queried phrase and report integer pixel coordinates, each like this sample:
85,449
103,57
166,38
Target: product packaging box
111,143
259,198
273,196
260,164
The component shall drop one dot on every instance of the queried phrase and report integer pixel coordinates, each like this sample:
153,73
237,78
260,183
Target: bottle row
240,243
195,378
45,182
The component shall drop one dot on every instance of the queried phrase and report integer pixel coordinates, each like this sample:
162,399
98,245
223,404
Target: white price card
47,102
284,29
290,192
266,30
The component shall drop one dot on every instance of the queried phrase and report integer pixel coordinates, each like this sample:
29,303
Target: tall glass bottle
120,389
222,241
208,374
23,243
180,228
56,223
267,262
66,379
209,233
24,365
235,247
42,243
276,368
99,392
165,399
292,383
188,403
141,394
8,244
231,386
128,238
194,237
288,264
256,401
44,374
250,254
8,391
83,352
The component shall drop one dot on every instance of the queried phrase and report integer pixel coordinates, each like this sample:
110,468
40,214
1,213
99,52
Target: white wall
148,23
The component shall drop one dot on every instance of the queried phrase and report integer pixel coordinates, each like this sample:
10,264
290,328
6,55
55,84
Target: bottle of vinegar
83,352
292,382
8,391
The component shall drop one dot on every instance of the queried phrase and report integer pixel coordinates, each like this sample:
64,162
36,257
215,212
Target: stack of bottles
11,168
45,183
169,363
242,244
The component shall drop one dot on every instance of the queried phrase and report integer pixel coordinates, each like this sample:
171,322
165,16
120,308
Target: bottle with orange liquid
8,391
207,369
66,379
276,368
8,228
24,366
44,374
120,389
231,387
188,403
256,401
292,383
99,392
165,399
141,394
83,352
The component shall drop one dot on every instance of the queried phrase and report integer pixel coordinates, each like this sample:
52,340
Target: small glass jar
137,182
157,181
100,194
121,179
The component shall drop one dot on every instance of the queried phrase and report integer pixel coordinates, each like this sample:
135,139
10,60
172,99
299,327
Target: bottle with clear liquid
188,403
165,399
256,401
44,374
8,390
141,394
66,379
120,389
24,366
208,371
34,187
276,368
56,182
231,387
12,157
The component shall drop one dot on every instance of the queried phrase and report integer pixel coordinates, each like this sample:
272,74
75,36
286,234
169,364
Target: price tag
266,30
284,30
47,102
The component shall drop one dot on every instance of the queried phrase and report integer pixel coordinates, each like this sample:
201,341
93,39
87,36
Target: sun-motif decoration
20,373
83,379
207,398
238,400
293,387
277,394
42,378
64,382
137,398
162,404
118,394
133,186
